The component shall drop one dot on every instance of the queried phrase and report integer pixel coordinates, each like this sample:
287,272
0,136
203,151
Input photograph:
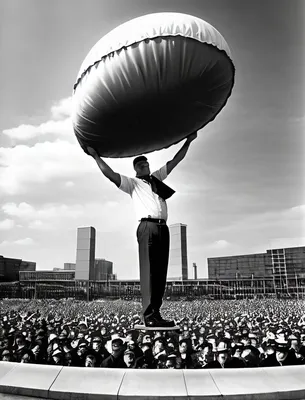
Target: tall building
69,266
177,268
10,268
85,253
274,263
103,270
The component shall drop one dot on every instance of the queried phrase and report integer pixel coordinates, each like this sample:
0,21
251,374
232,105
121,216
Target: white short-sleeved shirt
146,202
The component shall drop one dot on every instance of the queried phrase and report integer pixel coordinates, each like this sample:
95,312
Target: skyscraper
85,253
177,268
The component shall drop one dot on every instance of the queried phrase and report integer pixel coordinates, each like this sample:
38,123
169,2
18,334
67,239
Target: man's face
281,355
222,357
117,349
96,345
20,342
238,352
183,348
128,358
142,168
158,347
90,361
170,364
81,350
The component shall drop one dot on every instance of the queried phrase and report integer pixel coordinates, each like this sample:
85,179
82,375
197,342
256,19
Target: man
283,356
149,195
116,358
222,357
129,358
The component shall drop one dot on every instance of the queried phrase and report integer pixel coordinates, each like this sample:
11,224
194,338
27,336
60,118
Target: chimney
195,271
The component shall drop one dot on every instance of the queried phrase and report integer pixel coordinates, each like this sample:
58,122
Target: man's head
117,347
141,166
281,350
129,357
96,343
222,353
183,346
90,360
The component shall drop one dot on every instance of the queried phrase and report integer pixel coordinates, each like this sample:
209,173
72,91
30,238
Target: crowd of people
213,334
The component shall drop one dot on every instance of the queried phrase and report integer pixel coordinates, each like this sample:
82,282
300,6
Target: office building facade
10,268
103,270
177,268
277,263
69,266
85,253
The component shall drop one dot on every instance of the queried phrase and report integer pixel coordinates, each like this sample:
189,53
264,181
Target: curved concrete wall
73,383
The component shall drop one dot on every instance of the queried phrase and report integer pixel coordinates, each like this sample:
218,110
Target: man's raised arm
170,165
106,170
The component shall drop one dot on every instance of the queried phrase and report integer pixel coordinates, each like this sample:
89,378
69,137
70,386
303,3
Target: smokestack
195,271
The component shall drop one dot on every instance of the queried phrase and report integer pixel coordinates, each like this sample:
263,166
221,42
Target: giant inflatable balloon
150,83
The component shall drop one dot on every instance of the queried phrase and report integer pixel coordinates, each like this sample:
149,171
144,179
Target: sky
239,190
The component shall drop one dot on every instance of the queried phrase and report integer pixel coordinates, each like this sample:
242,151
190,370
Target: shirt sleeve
127,184
161,173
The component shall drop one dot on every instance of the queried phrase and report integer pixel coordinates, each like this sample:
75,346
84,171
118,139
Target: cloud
37,224
6,224
41,163
20,242
220,244
26,132
62,109
59,125
46,212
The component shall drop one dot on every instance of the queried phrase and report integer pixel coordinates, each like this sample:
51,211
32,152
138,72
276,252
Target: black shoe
164,321
156,321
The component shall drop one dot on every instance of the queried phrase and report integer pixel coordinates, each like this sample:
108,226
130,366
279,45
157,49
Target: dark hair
138,159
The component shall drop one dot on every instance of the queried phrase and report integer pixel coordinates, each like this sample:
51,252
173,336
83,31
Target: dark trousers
153,240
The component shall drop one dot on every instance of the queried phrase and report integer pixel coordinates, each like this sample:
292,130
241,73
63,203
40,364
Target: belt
157,221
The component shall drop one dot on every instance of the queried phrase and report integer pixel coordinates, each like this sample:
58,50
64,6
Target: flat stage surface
157,328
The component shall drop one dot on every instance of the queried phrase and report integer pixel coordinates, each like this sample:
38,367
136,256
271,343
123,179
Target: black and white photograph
152,199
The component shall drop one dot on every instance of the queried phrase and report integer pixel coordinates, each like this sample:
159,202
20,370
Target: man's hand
191,137
92,152
170,165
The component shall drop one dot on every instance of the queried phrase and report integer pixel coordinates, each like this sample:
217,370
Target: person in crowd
129,358
282,356
222,357
90,359
116,358
185,359
67,332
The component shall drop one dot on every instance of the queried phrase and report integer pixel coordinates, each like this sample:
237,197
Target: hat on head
56,352
129,352
282,345
222,348
138,159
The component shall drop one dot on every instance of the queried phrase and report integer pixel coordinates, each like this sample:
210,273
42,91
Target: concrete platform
153,384
29,379
77,383
73,383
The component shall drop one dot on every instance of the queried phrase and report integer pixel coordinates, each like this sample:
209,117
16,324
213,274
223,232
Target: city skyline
240,188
